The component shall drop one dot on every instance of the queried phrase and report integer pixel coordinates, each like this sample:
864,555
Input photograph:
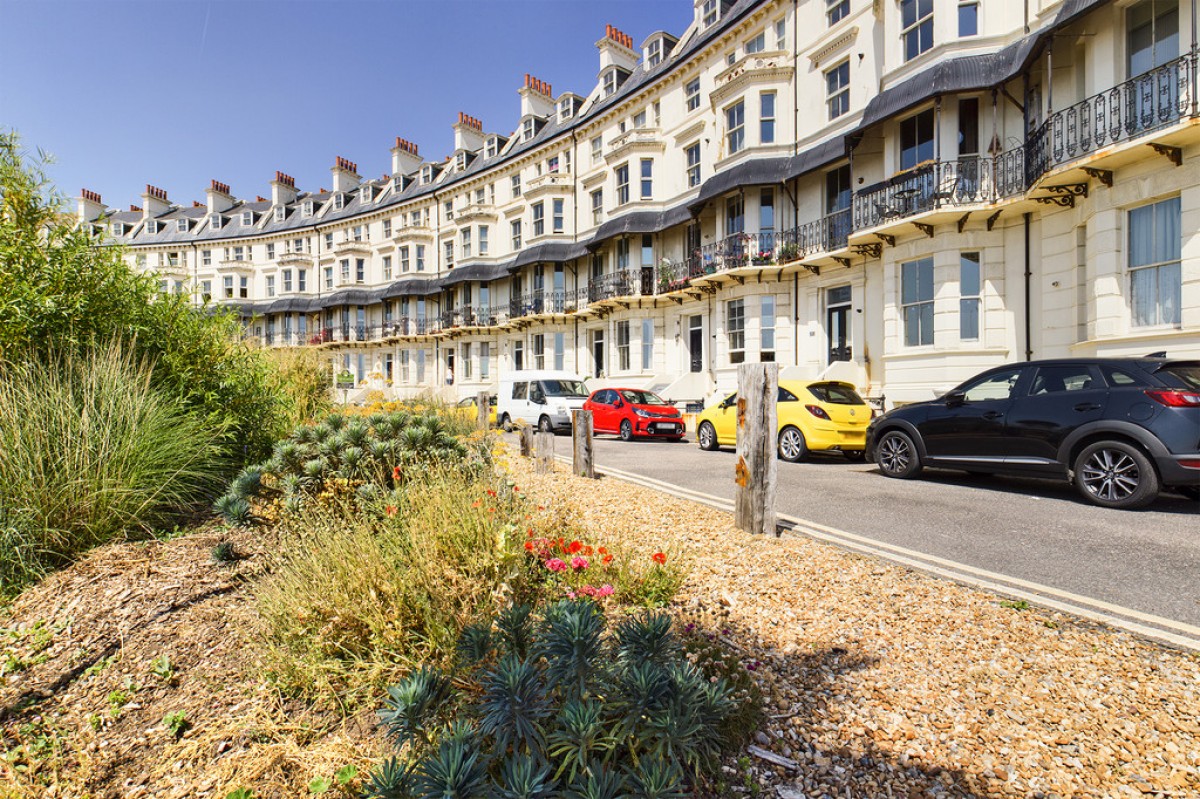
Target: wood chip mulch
881,681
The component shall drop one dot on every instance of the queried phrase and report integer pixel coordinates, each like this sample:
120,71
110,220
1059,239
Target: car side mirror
955,397
725,404
618,404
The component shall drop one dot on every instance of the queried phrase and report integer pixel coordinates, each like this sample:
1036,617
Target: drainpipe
796,71
1028,276
796,318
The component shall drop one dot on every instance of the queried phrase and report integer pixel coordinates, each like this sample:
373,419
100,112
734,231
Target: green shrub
588,711
90,450
59,291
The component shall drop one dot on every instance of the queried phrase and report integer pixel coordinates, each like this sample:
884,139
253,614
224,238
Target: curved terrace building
896,192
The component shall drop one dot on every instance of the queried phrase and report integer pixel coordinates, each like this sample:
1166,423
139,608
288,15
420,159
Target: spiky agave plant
247,483
336,421
514,705
392,780
654,778
572,644
474,643
600,782
356,434
514,630
524,777
455,770
353,459
579,737
414,704
647,639
233,509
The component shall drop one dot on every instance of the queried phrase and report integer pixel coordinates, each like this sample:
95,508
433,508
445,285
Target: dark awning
552,252
640,222
292,304
815,157
411,286
759,172
351,297
480,272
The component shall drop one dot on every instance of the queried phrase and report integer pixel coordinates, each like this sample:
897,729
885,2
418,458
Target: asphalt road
1032,530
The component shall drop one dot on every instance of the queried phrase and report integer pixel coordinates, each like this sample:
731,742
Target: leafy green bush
581,709
59,291
90,450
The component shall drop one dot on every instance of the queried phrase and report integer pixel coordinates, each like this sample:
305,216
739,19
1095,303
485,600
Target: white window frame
557,215
962,5
735,132
404,262
538,210
466,242
836,11
914,29
767,340
270,285
692,158
710,12
214,221
735,329
967,299
387,267
1155,267
621,176
837,97
515,232
624,362
647,345
646,171
483,240
691,91
514,184
597,150
781,34
758,44
597,206
766,120
654,52
917,303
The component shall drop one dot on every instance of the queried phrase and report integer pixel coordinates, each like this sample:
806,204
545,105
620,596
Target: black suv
1119,428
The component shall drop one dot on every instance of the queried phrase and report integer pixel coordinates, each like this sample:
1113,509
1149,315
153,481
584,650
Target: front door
597,353
696,343
971,427
837,323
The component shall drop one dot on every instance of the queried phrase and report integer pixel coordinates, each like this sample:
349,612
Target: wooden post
483,405
545,453
756,470
526,433
581,439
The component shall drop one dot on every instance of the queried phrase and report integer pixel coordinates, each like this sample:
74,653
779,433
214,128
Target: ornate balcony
550,182
363,247
294,259
648,140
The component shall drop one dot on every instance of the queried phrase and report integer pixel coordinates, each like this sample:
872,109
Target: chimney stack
616,50
468,133
91,207
537,98
219,198
405,157
283,189
155,202
345,175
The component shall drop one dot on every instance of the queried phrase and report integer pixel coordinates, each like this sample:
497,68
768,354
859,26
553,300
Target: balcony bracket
814,268
1175,154
740,279
675,298
887,239
1102,175
924,228
991,220
962,222
708,288
1070,189
845,261
695,295
623,304
1061,200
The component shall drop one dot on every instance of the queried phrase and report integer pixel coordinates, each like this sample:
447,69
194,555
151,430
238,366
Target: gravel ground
881,681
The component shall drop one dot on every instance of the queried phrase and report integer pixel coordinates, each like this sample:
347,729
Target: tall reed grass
91,451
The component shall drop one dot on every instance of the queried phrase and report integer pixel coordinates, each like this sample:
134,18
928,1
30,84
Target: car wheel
897,455
506,423
855,455
626,430
1114,474
545,425
707,436
792,446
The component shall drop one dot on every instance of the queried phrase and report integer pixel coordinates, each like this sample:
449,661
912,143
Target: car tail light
1190,463
1175,399
817,411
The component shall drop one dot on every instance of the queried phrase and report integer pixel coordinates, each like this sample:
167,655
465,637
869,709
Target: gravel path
881,681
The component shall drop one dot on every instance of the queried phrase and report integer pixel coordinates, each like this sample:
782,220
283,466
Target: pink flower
556,565
606,590
570,594
578,563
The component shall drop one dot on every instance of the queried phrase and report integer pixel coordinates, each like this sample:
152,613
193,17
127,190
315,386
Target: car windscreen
643,398
564,388
1188,374
835,394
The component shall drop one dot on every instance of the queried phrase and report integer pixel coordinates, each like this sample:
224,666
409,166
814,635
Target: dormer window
566,109
214,221
280,213
399,184
460,162
307,208
151,226
247,218
491,147
181,225
710,12
365,195
339,202
654,53
610,83
427,174
527,129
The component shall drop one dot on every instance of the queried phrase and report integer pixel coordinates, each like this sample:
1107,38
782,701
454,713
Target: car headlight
643,414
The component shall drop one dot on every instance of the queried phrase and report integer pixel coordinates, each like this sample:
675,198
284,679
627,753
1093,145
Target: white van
541,397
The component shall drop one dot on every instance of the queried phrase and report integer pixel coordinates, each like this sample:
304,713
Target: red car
631,412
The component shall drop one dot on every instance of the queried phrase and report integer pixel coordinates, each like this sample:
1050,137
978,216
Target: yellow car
466,407
818,416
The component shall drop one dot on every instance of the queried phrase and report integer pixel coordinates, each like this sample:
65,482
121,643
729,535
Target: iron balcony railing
970,180
1155,99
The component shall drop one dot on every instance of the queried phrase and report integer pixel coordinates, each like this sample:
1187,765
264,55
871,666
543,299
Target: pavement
1028,537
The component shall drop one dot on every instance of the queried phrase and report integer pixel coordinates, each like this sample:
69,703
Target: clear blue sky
176,93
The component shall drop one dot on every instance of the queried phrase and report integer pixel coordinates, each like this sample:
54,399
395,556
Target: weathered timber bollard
526,434
581,438
545,453
483,407
757,463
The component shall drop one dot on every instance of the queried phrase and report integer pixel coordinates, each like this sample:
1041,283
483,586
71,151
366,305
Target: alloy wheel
895,454
791,444
1111,475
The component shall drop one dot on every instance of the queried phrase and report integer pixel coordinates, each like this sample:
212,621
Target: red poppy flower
608,559
574,547
528,546
476,504
587,550
529,533
491,493
390,510
659,558
396,473
603,551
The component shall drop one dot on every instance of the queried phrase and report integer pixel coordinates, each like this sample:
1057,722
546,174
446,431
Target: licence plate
665,428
